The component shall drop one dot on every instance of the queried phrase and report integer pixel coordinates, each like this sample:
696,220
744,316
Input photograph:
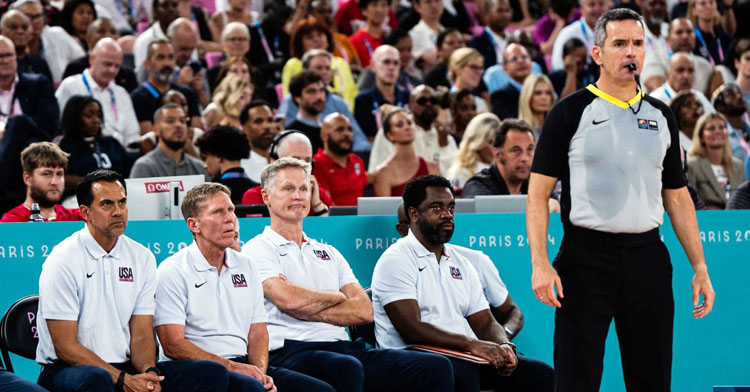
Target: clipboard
462,355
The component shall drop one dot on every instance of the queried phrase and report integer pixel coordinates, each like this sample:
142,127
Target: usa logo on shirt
456,273
126,274
321,254
357,169
239,280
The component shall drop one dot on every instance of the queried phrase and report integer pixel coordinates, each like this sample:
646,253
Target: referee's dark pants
627,277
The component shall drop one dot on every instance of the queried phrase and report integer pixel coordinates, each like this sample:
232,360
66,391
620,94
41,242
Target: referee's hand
544,280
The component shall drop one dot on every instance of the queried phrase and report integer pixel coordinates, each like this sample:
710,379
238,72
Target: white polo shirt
447,292
577,29
493,286
101,291
314,266
217,310
58,50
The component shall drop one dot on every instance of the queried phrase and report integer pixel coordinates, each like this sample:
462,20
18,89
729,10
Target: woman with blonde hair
712,170
391,177
711,38
536,99
465,68
475,150
232,94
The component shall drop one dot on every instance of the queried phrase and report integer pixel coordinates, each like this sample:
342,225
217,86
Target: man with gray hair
189,71
16,26
235,42
312,295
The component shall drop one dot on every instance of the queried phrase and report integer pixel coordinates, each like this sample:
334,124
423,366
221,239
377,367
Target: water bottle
36,214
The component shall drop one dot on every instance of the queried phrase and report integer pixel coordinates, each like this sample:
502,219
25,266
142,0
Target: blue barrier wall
711,351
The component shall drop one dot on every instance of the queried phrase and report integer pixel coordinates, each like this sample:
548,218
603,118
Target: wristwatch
513,346
508,331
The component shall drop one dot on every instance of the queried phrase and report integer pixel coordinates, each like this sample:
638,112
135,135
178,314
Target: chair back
18,333
364,331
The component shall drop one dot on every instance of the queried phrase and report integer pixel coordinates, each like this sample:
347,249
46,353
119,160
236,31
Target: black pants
627,277
531,375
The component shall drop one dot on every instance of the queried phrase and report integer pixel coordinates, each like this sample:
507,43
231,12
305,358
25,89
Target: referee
617,155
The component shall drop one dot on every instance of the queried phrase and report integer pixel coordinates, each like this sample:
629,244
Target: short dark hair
43,154
224,141
445,33
69,8
416,190
743,45
394,36
71,116
305,26
511,124
364,3
84,193
302,80
678,102
563,7
152,44
160,111
245,113
615,15
571,45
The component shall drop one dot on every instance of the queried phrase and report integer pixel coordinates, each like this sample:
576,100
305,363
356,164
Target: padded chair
18,334
364,331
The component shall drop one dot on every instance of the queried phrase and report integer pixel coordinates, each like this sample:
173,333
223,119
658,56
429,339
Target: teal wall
707,352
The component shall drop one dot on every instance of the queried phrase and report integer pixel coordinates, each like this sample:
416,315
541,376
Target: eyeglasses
516,59
236,40
425,100
34,17
390,62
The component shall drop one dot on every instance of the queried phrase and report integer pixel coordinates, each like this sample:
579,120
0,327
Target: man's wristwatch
513,346
153,369
508,331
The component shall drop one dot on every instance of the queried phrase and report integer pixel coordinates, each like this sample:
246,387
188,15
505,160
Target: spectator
189,71
232,94
349,17
294,144
319,61
517,65
687,110
654,14
493,40
270,45
322,10
407,78
311,294
238,66
681,77
258,123
713,40
463,108
149,140
89,148
386,64
448,41
75,18
53,44
339,171
237,12
465,73
475,152
197,14
165,12
160,64
560,14
369,37
509,175
235,42
98,81
576,74
742,64
75,357
536,99
98,29
222,147
311,34
712,169
404,164
44,167
169,158
309,94
728,101
740,199
583,29
412,306
16,26
424,34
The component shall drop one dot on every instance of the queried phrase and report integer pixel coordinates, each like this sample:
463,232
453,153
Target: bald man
183,35
336,168
16,26
97,81
681,77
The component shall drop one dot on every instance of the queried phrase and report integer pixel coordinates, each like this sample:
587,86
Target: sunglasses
425,100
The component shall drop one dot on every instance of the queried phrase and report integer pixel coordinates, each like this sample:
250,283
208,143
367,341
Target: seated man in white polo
209,300
96,306
312,294
426,291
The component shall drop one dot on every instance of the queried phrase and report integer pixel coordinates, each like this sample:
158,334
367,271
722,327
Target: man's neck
500,31
289,230
228,165
387,90
213,254
436,249
162,87
744,83
307,116
99,82
176,156
514,186
654,28
422,124
107,243
736,121
6,83
20,52
34,46
340,160
622,91
261,151
687,130
374,30
433,24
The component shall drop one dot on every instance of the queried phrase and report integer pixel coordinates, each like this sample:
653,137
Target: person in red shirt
44,166
349,18
369,37
336,168
294,144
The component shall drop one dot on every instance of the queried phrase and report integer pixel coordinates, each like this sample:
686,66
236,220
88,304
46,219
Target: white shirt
216,310
578,29
657,64
141,10
58,50
101,291
314,266
140,47
120,121
426,145
656,45
493,286
447,292
254,165
666,93
423,38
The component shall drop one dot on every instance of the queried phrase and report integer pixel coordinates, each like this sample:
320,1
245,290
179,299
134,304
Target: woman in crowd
687,109
403,165
465,69
89,150
711,40
75,18
232,94
311,34
536,99
237,12
447,42
475,151
712,169
239,66
463,108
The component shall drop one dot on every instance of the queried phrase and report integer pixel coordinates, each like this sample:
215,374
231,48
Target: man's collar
92,83
199,261
307,121
276,238
516,85
12,85
94,249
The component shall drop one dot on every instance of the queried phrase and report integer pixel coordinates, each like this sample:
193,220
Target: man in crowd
681,77
369,37
235,42
312,294
183,35
414,306
99,271
209,300
582,29
169,157
654,14
424,34
493,40
517,65
728,101
98,81
16,26
222,148
259,125
165,12
309,93
336,168
44,165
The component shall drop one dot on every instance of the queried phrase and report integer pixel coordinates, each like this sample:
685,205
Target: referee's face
624,45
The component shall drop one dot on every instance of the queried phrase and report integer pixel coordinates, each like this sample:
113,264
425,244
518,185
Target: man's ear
193,225
596,55
85,210
413,214
27,178
266,196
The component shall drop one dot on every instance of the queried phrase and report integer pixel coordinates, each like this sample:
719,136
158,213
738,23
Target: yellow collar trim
615,101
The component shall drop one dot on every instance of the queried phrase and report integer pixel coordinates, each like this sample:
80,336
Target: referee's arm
681,212
544,278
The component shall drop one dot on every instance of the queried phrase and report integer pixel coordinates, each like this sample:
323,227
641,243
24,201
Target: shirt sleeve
259,309
494,288
58,289
144,304
171,296
477,302
346,275
394,279
672,176
141,170
264,257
